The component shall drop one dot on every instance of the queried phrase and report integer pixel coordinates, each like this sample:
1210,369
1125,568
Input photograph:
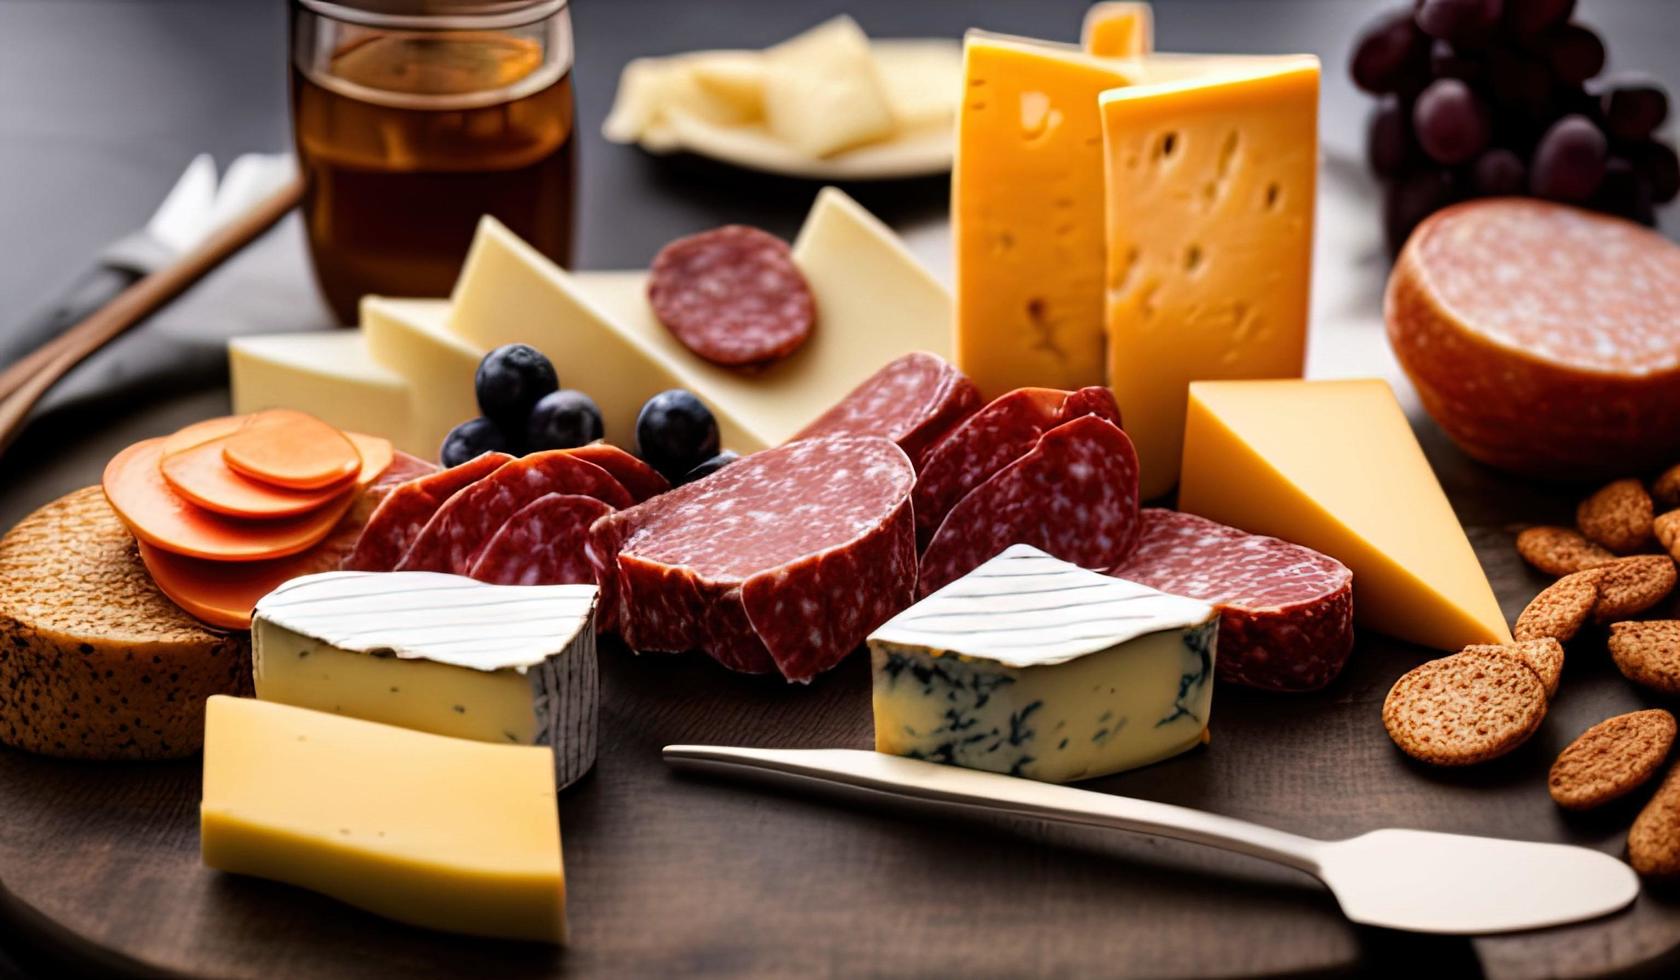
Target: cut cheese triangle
1333,465
411,337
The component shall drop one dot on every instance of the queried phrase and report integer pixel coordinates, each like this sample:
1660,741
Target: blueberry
510,381
471,438
711,466
675,432
563,419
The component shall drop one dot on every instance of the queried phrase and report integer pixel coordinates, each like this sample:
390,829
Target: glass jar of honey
412,119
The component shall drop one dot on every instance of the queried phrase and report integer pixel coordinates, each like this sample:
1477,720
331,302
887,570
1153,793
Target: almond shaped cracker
1611,759
1560,610
1648,653
1560,550
1667,529
1618,516
1654,842
1629,586
1544,656
1464,709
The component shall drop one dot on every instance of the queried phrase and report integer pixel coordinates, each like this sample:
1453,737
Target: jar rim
436,14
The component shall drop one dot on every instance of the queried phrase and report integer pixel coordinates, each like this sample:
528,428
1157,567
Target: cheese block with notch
440,833
1036,667
411,337
513,665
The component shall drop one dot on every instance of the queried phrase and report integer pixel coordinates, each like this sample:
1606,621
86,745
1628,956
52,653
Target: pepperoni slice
733,296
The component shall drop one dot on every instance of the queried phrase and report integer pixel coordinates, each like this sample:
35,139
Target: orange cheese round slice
201,475
292,450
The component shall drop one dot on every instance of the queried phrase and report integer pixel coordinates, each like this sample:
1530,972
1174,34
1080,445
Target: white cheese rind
1031,667
438,653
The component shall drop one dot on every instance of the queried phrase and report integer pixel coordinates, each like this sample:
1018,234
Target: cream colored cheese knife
1415,880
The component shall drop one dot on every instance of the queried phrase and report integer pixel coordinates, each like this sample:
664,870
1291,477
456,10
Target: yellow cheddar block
437,832
1118,29
1209,192
1333,465
1026,213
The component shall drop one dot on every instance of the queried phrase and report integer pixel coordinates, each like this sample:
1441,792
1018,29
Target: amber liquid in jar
409,139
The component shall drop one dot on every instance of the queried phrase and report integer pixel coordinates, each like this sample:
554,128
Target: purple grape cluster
1481,98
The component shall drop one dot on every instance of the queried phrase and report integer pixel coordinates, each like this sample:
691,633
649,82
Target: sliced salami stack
913,401
1286,612
782,562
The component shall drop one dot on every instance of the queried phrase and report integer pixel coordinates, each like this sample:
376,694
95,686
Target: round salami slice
1074,495
405,509
455,536
782,561
542,543
913,401
733,296
1542,337
991,439
1286,612
642,480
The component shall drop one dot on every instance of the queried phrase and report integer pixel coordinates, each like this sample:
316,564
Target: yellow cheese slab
436,832
330,374
874,302
1026,213
1118,29
412,338
1333,465
1209,189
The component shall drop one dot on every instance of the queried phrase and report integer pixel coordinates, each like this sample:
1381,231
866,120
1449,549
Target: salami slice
733,296
640,479
405,509
1286,612
455,536
1074,495
403,468
991,439
913,401
542,543
783,561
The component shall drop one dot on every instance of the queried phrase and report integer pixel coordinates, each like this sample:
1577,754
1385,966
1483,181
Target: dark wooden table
101,103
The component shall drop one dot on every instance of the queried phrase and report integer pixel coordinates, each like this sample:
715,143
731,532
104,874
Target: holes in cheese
291,449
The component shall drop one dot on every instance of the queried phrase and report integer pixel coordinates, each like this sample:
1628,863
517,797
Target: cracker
1611,759
1560,609
1648,653
1654,841
1544,656
1629,586
1666,488
1667,530
1464,709
1560,550
1618,516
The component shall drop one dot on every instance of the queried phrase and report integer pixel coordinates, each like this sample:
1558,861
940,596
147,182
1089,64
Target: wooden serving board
677,875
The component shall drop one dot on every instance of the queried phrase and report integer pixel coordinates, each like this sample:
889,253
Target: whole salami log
733,296
913,401
1542,338
1286,612
783,561
406,508
1073,495
640,479
456,535
991,439
543,543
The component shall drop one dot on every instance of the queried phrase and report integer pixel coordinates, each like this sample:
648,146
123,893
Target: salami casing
640,479
783,561
1286,612
542,543
913,401
1073,495
991,439
405,509
733,296
455,536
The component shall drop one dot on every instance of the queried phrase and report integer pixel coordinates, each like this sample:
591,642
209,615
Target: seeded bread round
1667,530
95,662
1629,586
1464,709
1617,516
1560,609
1654,841
1611,759
1544,656
1648,653
1560,550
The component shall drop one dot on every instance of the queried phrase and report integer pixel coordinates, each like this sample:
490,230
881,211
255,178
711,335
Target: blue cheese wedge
437,653
1035,667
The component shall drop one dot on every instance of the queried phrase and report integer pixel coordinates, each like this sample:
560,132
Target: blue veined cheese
1035,667
437,653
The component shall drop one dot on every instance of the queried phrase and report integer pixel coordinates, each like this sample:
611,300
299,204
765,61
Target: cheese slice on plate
437,832
412,338
330,374
822,92
1333,465
437,653
1036,667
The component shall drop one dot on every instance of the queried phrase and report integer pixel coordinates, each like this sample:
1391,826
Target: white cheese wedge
437,653
331,375
412,338
822,91
1035,667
